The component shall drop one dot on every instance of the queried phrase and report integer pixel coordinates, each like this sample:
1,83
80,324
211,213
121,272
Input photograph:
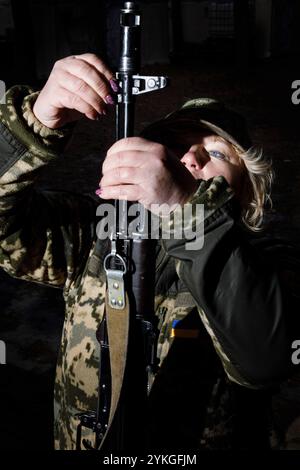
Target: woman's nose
195,158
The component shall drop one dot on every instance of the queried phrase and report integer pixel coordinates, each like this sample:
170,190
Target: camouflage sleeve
238,293
44,236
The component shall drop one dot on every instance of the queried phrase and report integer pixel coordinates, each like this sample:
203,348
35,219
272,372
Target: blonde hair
257,195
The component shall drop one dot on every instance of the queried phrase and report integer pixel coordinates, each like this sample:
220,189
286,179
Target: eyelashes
181,149
217,154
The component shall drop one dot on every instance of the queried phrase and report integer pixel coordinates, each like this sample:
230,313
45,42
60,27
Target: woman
225,296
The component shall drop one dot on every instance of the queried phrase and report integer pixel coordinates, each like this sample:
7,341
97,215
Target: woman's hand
136,169
77,85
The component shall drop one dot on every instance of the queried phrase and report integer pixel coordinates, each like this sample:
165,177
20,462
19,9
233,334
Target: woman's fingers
70,100
126,192
130,158
86,72
135,152
136,143
80,83
96,62
123,175
79,87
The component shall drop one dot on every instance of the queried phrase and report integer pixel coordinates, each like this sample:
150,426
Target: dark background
245,53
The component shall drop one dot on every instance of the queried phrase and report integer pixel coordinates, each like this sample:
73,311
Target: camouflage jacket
49,237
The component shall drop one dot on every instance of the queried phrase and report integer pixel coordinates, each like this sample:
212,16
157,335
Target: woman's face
207,155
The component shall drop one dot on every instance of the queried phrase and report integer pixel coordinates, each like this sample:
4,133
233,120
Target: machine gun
127,332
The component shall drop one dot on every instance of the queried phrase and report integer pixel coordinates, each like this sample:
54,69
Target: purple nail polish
114,85
98,192
109,99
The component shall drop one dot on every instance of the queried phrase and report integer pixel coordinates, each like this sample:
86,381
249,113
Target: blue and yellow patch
179,331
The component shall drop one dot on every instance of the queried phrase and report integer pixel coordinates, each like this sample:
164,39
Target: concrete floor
31,315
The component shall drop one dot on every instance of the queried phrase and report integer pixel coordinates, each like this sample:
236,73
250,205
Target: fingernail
98,191
114,85
109,99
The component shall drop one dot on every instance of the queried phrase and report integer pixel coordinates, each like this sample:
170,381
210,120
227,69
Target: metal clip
115,281
88,420
143,84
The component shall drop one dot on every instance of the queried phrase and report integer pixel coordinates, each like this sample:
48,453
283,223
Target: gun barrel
130,21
